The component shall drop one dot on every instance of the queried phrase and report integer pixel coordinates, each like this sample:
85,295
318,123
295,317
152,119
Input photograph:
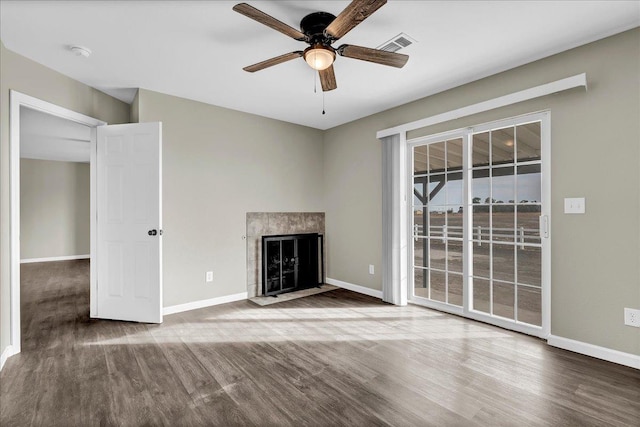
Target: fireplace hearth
291,262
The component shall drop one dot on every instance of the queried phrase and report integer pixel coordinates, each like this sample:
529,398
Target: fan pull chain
315,89
323,102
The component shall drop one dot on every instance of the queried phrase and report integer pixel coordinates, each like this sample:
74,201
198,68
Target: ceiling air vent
398,42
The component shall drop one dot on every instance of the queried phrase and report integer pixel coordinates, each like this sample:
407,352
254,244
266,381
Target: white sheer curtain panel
394,237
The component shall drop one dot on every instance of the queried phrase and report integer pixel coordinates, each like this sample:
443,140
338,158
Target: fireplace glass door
291,262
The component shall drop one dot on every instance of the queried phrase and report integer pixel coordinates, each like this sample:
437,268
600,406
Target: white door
129,222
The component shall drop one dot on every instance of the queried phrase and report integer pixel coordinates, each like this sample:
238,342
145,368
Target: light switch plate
575,205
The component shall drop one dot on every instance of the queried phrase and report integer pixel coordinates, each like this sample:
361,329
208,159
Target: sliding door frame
466,134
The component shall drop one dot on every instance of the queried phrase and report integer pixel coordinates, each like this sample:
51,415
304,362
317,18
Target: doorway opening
54,223
30,115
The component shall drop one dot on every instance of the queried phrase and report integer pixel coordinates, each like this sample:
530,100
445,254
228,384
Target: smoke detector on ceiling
398,42
80,51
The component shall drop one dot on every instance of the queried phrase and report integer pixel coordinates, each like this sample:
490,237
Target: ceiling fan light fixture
319,57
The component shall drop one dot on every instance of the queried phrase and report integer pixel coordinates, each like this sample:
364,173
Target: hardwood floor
332,359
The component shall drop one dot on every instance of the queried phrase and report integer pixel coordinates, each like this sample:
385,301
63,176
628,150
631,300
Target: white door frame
17,100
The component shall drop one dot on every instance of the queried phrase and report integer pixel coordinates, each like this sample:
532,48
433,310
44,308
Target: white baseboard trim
355,288
598,352
55,258
194,305
7,353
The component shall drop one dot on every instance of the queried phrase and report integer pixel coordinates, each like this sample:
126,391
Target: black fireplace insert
292,262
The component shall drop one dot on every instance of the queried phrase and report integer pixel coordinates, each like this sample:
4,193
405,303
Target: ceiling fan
320,30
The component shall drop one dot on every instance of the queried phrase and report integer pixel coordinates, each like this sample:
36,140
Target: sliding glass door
480,222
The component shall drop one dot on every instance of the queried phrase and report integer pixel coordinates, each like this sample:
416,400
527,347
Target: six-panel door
129,222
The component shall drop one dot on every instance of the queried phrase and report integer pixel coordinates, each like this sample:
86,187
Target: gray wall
54,208
134,116
26,76
219,164
595,153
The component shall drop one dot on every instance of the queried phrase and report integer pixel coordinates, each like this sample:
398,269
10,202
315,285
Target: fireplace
291,262
261,224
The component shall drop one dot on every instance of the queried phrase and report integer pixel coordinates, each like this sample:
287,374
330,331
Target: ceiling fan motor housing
313,26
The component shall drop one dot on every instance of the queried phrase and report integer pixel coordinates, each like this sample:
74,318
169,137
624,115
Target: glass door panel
482,260
454,256
273,266
437,227
506,241
482,295
288,264
454,289
503,263
529,262
438,281
502,146
529,305
528,142
437,254
436,157
503,299
454,155
475,223
420,160
480,150
421,282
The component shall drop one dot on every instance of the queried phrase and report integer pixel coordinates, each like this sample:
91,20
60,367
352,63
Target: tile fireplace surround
271,223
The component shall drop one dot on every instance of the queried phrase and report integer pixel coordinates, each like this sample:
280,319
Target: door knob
153,232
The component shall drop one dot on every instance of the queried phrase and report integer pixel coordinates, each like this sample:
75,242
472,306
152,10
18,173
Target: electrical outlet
209,276
632,317
371,269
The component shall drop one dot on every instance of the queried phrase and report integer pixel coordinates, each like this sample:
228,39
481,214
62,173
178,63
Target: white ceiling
196,49
47,137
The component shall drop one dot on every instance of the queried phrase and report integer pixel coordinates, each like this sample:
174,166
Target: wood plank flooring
332,359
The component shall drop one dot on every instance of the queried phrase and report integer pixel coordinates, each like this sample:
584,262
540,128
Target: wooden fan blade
373,55
268,20
328,79
352,15
273,61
